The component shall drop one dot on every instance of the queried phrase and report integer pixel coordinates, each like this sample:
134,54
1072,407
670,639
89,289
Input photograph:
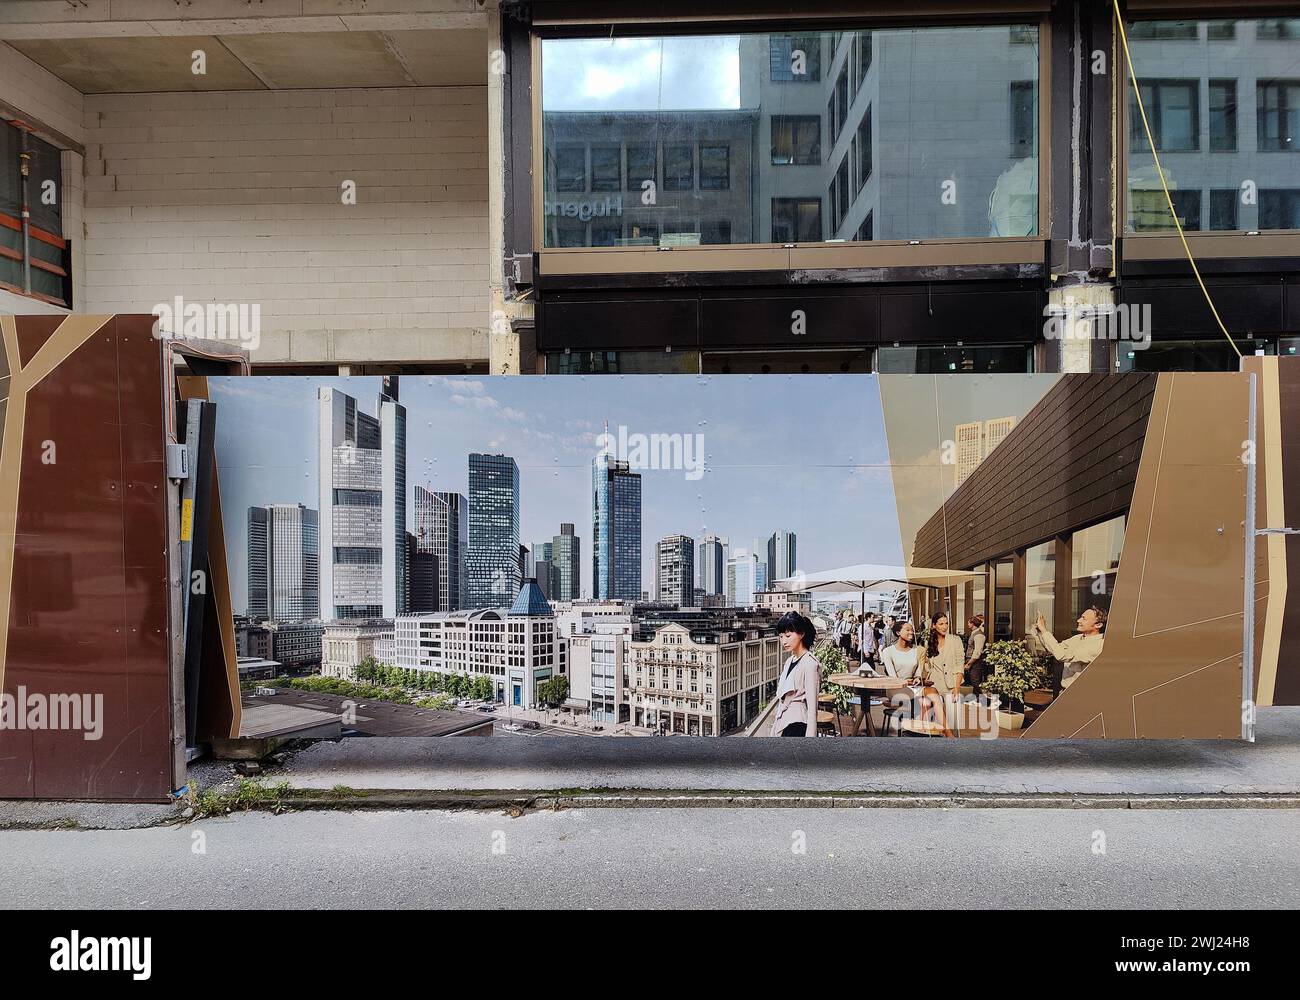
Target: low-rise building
699,677
344,644
778,602
256,668
517,649
297,645
596,670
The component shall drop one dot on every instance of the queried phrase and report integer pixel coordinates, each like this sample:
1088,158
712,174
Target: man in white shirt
1078,651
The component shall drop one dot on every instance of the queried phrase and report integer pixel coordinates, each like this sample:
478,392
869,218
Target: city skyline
824,478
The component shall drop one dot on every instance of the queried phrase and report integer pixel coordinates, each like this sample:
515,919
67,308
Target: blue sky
801,453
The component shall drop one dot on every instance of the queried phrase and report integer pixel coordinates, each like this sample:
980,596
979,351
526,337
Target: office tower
258,603
421,577
543,573
713,565
969,439
566,575
492,557
362,463
782,559
758,549
442,528
283,568
615,530
742,578
976,440
675,571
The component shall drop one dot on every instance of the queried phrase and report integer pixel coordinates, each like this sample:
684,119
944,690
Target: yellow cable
1160,172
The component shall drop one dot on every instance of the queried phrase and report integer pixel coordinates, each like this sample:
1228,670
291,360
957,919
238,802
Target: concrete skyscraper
442,528
492,563
615,530
283,566
675,571
362,464
712,577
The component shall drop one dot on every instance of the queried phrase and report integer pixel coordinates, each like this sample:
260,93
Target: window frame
1151,247
777,256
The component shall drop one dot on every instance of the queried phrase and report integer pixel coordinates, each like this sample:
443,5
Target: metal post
25,162
1248,610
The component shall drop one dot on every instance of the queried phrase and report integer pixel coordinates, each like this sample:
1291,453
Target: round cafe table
866,686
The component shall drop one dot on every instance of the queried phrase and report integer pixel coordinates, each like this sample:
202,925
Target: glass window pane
931,360
606,168
756,129
1244,72
1094,561
1040,583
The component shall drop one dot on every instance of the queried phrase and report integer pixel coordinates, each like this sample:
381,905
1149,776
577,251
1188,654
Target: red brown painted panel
89,601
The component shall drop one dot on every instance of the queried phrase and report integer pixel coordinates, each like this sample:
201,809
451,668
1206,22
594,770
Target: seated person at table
1078,651
943,663
903,660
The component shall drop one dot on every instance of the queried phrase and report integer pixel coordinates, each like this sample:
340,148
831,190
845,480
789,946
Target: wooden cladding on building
1071,462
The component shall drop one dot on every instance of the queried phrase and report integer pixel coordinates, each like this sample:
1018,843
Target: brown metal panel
33,332
88,591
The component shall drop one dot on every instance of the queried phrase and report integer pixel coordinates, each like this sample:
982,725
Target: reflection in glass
771,138
1223,101
921,360
1094,561
1040,584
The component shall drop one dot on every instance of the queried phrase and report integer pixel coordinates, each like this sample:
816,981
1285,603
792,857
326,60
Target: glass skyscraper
283,573
442,528
712,578
566,565
362,463
492,557
615,530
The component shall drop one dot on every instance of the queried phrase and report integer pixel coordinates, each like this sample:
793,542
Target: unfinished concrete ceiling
442,57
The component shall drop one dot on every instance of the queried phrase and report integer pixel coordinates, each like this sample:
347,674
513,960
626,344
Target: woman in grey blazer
801,678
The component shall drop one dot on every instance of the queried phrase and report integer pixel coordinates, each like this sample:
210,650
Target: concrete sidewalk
549,772
1270,766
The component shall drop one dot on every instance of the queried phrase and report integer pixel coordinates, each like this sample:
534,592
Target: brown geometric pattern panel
1172,663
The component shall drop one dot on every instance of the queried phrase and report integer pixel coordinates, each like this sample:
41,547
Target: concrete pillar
506,314
1073,340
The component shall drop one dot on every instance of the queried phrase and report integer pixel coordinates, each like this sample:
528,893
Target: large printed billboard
968,557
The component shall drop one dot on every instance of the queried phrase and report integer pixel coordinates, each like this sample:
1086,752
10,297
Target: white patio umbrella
864,577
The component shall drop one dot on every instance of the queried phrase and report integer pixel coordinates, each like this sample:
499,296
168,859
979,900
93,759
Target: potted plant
833,661
1015,670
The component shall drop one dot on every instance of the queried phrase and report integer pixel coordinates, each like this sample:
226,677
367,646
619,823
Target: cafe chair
826,723
920,727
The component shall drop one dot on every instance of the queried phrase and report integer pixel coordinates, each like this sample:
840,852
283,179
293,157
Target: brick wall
235,197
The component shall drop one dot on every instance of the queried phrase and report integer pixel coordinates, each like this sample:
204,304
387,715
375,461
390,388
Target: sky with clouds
800,453
694,73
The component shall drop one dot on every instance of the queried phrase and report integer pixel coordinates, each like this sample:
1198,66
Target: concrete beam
26,19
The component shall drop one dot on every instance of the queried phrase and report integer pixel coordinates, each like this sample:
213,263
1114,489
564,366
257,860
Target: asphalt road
640,858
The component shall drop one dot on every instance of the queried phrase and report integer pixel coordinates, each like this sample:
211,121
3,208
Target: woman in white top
902,659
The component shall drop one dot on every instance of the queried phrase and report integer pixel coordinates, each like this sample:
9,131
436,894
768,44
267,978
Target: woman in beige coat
801,678
943,663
